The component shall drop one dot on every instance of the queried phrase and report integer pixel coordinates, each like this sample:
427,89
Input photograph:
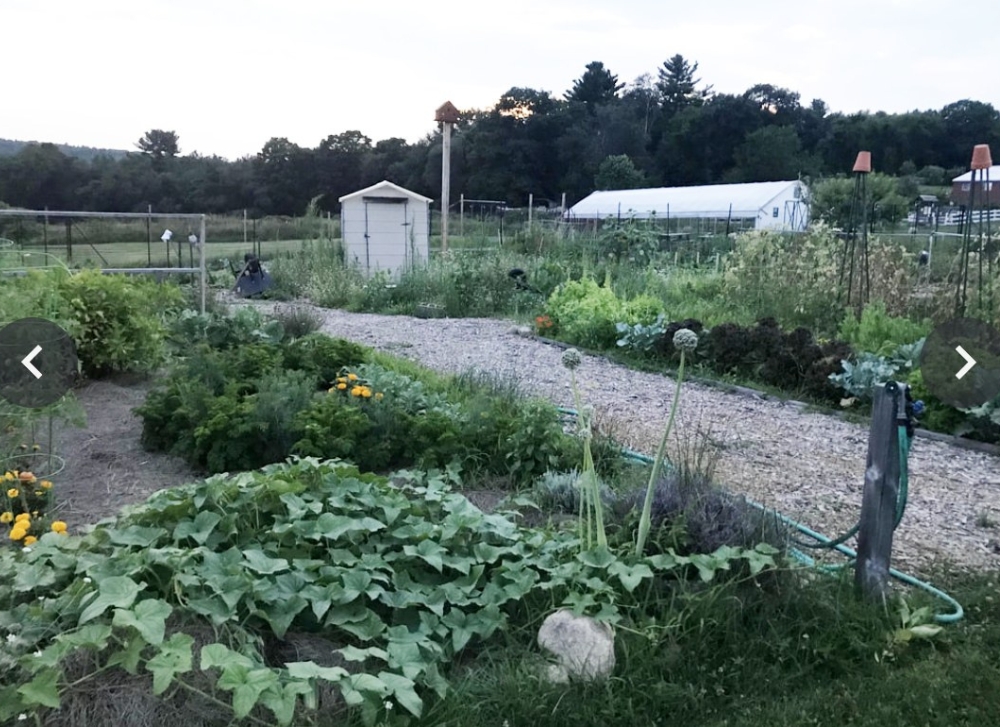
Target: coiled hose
820,541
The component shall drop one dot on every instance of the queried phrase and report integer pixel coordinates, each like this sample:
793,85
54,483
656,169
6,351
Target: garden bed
808,465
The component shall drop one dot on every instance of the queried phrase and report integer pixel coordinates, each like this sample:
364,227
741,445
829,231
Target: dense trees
666,128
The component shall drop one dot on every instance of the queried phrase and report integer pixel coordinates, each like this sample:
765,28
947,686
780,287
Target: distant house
987,192
760,205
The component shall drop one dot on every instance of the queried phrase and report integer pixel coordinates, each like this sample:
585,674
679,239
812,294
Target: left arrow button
26,362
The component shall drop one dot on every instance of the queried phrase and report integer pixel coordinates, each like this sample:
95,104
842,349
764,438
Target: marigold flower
352,377
58,526
45,485
366,392
17,533
30,540
22,517
8,476
356,391
341,379
13,492
6,517
342,386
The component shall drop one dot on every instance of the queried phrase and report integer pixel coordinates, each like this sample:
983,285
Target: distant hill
9,147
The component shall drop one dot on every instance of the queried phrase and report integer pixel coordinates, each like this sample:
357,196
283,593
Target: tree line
667,129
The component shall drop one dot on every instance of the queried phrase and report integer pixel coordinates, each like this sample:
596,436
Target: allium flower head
686,340
571,358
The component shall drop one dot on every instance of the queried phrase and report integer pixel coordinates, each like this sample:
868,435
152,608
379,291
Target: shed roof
993,173
384,186
701,201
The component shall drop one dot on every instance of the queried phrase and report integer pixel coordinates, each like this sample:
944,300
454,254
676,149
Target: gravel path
809,466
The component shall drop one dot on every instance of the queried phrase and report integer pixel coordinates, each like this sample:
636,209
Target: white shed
385,227
771,205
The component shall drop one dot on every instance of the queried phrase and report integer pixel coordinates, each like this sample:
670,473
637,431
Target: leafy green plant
878,332
642,338
117,323
585,313
400,575
861,376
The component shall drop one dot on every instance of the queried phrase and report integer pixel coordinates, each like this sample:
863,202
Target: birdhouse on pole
447,116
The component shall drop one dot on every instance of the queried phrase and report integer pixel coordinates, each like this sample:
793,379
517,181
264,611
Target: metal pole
531,206
445,182
201,264
149,235
461,215
45,232
244,228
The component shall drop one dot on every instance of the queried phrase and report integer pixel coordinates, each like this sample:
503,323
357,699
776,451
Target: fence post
69,240
878,506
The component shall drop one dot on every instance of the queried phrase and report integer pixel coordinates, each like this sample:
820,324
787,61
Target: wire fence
118,242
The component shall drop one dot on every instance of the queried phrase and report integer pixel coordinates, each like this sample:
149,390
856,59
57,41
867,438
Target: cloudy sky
227,75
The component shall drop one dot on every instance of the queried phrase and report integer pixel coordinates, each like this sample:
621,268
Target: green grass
781,657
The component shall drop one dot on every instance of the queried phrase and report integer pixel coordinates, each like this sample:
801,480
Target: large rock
584,648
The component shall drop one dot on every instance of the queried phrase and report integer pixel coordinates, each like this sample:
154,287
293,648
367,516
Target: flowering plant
24,500
350,384
544,324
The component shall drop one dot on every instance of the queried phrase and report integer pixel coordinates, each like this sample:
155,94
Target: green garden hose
822,541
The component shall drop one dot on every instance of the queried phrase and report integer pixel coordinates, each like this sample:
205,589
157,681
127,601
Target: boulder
584,648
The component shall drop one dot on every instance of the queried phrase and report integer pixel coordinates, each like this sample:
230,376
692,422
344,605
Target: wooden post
445,182
461,215
149,235
878,507
45,232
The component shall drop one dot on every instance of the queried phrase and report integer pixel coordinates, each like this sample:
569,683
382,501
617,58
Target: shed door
387,239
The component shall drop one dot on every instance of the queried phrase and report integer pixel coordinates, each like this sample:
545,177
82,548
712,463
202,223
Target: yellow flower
366,392
8,476
17,533
36,447
6,517
30,540
352,377
22,517
58,526
356,391
45,485
341,380
378,396
341,386
13,492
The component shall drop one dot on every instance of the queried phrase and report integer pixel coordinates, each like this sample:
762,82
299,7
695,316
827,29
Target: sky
227,75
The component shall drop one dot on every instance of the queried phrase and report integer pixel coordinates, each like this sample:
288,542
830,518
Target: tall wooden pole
445,183
447,116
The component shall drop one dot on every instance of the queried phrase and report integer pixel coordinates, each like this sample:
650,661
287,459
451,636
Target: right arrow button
969,362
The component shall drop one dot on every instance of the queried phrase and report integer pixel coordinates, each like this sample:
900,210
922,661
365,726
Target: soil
106,466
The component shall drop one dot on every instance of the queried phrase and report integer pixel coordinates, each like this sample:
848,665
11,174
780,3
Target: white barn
385,228
771,205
